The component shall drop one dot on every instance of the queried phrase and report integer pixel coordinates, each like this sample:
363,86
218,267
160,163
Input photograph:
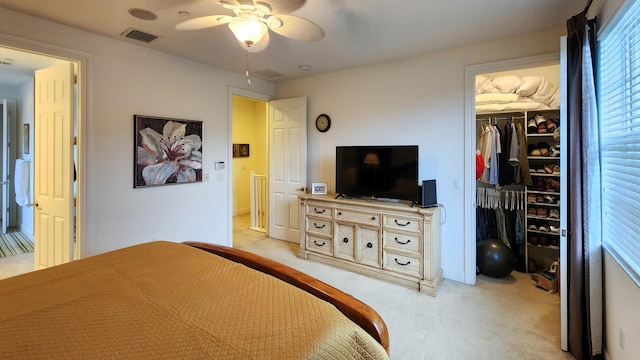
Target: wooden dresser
391,241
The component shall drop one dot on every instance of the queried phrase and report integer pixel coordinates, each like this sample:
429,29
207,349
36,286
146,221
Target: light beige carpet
495,319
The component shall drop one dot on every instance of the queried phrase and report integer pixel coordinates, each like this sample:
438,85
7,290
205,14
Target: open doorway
19,84
249,169
543,199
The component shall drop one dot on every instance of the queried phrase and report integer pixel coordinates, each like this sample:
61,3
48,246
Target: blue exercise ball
494,258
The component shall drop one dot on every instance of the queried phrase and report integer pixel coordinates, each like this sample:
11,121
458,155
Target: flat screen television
379,172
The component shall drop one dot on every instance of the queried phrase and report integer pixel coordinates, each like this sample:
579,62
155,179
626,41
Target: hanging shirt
484,145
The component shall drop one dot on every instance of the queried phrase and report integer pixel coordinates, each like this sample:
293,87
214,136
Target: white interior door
5,166
288,166
564,322
53,166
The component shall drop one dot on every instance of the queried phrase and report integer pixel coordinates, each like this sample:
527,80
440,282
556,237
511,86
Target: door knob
36,204
300,189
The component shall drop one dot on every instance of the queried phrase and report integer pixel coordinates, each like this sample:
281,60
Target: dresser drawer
362,217
319,226
403,241
319,244
318,209
406,223
402,264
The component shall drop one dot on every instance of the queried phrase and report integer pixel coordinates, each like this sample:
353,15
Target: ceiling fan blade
203,22
283,6
295,27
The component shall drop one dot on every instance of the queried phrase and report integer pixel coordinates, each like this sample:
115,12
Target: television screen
383,172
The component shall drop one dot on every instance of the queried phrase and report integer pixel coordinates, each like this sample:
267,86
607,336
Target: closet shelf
545,175
543,158
547,134
542,218
543,192
543,204
552,247
544,232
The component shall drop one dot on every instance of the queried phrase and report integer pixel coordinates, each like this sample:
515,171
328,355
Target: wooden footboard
359,312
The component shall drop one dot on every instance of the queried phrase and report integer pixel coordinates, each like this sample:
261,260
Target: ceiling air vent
269,74
139,35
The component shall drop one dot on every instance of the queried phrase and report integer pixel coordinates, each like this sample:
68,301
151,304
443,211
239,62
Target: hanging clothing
523,176
484,145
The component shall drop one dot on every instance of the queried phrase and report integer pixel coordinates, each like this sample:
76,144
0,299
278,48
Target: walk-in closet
518,168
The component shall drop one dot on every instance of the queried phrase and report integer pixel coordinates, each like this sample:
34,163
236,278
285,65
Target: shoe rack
543,197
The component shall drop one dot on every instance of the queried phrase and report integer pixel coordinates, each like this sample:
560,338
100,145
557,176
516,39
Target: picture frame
240,150
156,161
319,188
25,138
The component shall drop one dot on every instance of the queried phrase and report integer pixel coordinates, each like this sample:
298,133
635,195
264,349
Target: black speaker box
429,196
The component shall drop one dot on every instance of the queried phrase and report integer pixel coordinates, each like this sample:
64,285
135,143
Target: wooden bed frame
357,311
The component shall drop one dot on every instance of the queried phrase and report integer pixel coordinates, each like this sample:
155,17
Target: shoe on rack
548,168
532,211
532,127
549,199
532,227
541,212
535,152
544,148
552,185
543,240
531,198
533,240
551,126
543,228
554,213
554,229
542,128
554,152
539,199
540,119
555,170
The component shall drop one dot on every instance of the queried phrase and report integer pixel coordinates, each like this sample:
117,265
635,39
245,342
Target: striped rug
14,243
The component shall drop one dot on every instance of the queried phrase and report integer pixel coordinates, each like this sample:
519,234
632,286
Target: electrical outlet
621,339
205,177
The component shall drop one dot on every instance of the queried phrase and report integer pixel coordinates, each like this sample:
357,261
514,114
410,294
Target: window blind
619,98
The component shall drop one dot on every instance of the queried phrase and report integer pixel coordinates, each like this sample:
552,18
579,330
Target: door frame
231,91
82,62
470,73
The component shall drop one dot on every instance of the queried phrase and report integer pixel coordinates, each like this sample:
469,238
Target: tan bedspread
164,300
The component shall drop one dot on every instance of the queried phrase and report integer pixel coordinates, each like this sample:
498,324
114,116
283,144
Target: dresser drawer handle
346,240
318,244
339,212
373,218
401,264
397,223
319,212
403,243
369,245
319,227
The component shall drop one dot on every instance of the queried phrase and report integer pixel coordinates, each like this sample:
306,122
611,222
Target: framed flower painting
167,151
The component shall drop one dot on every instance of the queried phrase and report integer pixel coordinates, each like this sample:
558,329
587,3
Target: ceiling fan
252,20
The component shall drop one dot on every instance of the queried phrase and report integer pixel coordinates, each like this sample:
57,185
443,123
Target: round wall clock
323,122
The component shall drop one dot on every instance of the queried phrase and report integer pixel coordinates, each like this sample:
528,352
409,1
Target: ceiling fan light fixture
248,29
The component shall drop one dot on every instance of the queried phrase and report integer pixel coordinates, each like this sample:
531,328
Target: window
619,98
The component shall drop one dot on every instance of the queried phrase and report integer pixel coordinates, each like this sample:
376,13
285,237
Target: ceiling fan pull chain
247,71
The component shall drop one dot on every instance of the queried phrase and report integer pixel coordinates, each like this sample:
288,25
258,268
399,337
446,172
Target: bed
515,93
165,300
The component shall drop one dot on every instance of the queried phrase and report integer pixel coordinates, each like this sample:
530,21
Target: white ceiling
357,33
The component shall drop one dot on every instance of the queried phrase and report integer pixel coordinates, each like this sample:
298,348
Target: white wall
126,79
418,100
249,127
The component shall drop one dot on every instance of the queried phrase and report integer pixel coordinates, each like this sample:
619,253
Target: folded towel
22,182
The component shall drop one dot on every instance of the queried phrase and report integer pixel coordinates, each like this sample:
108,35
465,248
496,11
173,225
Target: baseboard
454,275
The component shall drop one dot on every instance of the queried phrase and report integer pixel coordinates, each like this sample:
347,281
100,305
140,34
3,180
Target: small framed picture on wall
25,138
